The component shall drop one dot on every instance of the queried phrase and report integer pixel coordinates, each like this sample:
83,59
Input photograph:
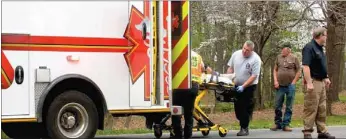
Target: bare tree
336,19
221,27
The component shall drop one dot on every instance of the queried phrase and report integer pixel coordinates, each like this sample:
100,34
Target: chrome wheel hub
72,120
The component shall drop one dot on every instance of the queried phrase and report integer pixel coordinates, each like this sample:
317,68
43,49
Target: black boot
307,136
176,133
243,132
176,136
188,132
325,135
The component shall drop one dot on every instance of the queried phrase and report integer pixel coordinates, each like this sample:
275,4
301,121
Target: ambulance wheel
157,131
72,114
205,133
29,130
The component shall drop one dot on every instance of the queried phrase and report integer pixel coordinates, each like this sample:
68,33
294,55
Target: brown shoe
307,136
275,127
287,128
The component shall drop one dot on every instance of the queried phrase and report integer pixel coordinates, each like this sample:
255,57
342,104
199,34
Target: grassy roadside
3,135
343,97
298,122
257,124
299,99
124,131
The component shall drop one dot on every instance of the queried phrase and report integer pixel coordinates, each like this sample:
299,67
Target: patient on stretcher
222,84
219,78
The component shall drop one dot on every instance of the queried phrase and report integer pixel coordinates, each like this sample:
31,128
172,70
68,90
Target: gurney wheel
222,132
205,133
157,131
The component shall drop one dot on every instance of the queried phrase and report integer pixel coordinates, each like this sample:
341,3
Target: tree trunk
335,42
242,31
342,67
272,90
231,36
344,77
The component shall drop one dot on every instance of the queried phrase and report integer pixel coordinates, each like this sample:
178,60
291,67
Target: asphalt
337,131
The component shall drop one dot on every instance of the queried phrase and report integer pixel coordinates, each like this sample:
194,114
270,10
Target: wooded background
219,28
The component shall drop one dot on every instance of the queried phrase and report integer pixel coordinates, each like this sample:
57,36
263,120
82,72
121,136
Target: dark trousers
289,92
244,106
186,99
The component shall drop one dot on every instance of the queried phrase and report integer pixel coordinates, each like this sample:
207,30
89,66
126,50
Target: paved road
337,131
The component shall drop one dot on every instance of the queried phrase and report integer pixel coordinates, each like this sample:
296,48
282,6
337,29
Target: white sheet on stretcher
224,78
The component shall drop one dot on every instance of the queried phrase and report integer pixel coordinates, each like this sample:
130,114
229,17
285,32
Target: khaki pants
315,108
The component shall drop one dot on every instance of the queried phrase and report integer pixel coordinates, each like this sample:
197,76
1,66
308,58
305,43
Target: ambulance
65,65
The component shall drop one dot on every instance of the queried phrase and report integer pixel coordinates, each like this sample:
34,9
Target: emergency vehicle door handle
19,74
144,32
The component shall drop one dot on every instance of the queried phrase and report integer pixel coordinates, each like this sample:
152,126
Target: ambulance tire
28,130
78,117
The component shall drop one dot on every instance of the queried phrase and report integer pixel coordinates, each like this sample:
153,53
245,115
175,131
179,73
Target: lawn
297,122
225,114
257,124
342,97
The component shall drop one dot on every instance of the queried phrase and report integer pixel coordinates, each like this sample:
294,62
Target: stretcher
224,90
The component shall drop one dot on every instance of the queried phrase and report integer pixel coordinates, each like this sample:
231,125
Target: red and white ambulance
66,64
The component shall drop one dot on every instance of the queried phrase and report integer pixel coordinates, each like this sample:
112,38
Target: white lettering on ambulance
165,57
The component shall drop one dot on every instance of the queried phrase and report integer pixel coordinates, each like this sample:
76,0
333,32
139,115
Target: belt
317,79
283,85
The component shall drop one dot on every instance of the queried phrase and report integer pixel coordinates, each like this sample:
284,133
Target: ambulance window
144,32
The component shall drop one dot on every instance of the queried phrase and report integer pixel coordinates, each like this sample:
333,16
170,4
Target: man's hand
327,82
292,86
310,87
276,84
230,70
209,70
240,89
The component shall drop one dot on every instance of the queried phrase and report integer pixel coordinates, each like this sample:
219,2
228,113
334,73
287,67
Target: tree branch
324,10
297,22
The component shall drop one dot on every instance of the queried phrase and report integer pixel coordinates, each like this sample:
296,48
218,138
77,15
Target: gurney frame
204,124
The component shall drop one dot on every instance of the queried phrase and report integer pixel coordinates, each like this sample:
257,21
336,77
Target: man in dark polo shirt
317,81
286,73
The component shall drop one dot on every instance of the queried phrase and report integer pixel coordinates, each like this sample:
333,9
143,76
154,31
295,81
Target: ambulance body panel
122,49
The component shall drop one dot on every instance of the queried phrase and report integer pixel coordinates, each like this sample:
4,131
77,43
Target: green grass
342,98
299,98
224,107
257,124
227,107
260,124
123,131
3,135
